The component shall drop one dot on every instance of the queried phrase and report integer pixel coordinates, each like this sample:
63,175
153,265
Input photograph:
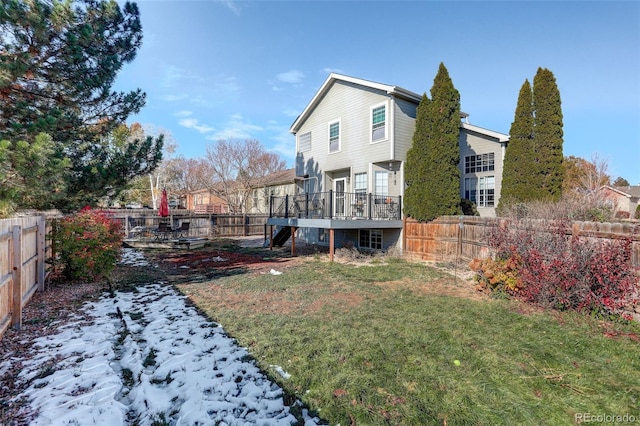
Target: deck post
270,237
293,241
332,241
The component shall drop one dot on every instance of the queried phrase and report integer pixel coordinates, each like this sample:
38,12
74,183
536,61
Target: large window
382,183
378,123
479,163
480,190
371,239
334,137
304,142
486,191
471,189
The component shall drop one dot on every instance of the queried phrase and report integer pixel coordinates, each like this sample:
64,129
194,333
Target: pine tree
519,155
58,62
433,177
548,134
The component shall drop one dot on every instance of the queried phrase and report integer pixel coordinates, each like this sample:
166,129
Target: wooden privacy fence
464,238
200,225
22,266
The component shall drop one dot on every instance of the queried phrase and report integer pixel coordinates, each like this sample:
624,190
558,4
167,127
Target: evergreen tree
519,155
58,62
533,168
433,177
548,135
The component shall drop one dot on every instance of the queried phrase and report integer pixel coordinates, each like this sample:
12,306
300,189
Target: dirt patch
213,261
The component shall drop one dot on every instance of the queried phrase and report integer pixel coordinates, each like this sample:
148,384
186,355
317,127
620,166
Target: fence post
16,260
41,247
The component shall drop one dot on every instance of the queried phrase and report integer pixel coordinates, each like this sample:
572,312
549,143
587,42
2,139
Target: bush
568,208
87,245
637,215
543,266
468,207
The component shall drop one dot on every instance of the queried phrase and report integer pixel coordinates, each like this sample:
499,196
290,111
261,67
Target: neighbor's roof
333,77
627,191
277,178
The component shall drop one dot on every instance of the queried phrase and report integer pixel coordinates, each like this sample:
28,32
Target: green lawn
380,344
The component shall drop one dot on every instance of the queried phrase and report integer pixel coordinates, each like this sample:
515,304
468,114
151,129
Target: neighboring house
622,198
351,145
204,201
276,184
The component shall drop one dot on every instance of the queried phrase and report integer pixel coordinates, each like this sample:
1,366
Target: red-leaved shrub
556,270
88,245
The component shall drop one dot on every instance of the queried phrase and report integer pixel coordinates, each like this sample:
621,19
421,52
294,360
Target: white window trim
339,121
386,122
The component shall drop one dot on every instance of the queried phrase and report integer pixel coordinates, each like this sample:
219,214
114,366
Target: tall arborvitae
533,160
517,185
432,174
548,134
415,169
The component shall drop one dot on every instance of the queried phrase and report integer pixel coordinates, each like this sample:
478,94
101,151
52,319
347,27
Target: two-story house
351,144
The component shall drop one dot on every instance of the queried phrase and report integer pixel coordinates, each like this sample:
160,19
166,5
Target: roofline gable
501,137
624,191
333,77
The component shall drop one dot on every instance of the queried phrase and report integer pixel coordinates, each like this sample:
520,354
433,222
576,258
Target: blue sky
246,69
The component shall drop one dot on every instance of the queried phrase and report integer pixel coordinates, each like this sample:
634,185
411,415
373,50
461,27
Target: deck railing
336,205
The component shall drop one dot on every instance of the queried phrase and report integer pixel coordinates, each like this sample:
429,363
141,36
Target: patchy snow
146,357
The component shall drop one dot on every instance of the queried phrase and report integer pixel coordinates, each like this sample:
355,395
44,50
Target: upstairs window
378,123
479,163
304,142
334,137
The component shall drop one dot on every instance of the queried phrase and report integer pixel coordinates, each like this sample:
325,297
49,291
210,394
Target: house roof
626,191
333,77
278,178
501,137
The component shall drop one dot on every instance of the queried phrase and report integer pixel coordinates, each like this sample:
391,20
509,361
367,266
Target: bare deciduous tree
235,167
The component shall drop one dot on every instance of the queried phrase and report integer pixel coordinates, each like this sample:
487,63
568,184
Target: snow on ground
148,357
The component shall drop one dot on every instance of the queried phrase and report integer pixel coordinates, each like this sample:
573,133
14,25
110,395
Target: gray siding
472,143
352,106
405,125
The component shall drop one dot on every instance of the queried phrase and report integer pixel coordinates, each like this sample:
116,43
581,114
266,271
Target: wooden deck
177,243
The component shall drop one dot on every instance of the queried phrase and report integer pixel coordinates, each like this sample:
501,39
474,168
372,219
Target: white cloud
192,123
183,113
236,128
228,84
330,70
291,112
171,75
174,98
291,77
232,5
